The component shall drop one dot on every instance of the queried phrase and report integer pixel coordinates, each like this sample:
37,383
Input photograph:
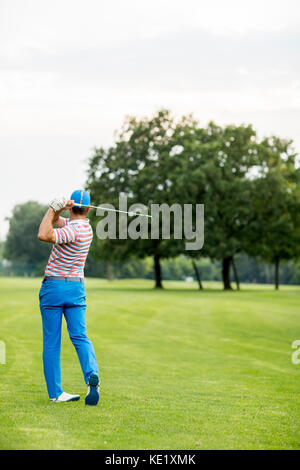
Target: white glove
58,203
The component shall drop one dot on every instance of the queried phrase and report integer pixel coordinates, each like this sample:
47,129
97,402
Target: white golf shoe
64,397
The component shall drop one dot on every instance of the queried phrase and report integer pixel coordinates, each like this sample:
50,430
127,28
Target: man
63,293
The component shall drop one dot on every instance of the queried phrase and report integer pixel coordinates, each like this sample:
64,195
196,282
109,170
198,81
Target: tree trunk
236,275
277,272
157,270
197,274
226,273
268,276
109,272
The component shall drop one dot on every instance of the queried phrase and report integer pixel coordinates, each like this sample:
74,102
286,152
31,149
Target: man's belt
62,278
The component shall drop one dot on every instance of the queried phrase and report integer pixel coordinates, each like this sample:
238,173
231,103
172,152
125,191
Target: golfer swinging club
63,292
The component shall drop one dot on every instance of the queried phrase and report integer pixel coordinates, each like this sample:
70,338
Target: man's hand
69,204
58,203
61,203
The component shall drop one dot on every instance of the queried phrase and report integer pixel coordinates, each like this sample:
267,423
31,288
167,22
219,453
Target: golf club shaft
113,210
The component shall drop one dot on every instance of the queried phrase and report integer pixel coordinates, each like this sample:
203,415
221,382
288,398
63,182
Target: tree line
249,187
174,269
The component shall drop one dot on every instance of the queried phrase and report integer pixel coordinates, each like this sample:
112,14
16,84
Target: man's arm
59,221
46,231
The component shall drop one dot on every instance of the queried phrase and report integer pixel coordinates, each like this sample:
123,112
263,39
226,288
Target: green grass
180,369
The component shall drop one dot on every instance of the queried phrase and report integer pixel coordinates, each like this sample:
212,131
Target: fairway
180,369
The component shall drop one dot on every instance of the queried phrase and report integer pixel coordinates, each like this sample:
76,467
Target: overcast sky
70,70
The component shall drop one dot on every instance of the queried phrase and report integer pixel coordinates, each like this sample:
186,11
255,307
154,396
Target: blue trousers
58,298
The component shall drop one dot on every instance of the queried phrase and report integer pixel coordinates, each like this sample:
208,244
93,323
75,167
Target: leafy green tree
22,243
275,234
149,163
231,155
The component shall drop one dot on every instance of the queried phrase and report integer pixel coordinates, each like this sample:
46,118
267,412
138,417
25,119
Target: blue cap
80,196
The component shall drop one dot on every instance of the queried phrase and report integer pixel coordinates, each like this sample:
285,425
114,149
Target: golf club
130,213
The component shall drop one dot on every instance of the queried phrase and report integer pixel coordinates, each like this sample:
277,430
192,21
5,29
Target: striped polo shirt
71,248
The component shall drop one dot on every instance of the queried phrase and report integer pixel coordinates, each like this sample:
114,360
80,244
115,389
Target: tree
275,234
230,156
149,163
22,243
